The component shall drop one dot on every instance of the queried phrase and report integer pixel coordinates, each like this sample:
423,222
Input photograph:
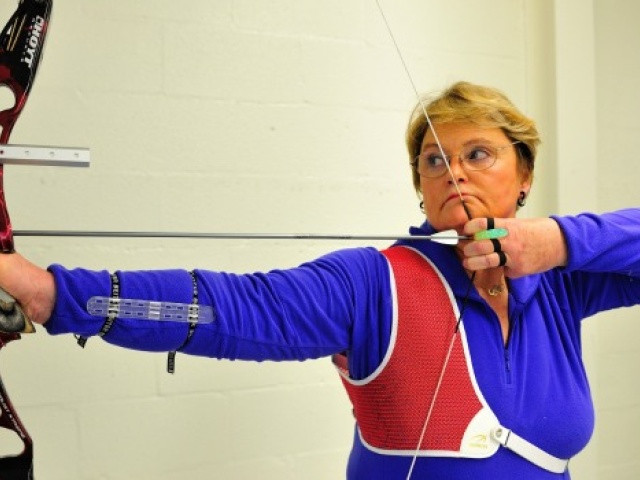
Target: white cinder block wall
618,102
240,115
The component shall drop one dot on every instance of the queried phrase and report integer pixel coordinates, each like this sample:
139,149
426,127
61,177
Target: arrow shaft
230,236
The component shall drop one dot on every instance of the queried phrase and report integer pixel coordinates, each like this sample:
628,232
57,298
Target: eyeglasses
476,156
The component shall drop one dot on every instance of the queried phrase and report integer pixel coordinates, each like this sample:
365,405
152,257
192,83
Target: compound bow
21,43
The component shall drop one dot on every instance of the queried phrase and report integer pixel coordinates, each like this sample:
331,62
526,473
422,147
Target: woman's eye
478,154
434,160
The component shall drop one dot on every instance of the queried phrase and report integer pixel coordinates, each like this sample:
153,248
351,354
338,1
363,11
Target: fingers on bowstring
484,229
474,226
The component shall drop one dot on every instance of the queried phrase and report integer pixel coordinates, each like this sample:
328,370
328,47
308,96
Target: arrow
447,237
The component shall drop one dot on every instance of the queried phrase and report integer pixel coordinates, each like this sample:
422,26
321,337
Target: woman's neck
491,282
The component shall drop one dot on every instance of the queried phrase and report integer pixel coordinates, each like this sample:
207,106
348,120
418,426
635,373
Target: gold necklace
496,290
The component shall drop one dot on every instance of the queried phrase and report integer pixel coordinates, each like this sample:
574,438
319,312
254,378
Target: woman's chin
455,219
458,225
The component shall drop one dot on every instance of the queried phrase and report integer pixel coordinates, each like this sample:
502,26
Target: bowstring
423,107
445,364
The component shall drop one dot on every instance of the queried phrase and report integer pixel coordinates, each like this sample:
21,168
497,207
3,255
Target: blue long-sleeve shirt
535,384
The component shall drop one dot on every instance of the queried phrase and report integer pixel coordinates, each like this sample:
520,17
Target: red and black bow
21,43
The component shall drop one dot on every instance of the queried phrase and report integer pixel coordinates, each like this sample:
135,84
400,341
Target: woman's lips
456,196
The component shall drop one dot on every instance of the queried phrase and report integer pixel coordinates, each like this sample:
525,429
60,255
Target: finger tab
493,233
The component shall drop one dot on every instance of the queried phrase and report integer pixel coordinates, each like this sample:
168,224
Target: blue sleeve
603,268
317,309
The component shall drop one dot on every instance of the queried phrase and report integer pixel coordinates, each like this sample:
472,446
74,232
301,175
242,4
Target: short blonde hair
464,102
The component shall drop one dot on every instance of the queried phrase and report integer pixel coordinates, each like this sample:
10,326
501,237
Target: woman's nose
457,169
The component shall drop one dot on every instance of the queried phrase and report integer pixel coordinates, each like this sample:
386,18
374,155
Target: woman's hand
531,246
32,287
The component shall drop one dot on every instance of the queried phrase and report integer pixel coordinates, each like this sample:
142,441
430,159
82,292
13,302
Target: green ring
491,234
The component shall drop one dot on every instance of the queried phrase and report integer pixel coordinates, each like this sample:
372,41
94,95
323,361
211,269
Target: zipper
507,347
508,374
507,365
507,368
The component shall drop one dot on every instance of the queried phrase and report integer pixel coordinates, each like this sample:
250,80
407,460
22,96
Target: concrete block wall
618,128
239,116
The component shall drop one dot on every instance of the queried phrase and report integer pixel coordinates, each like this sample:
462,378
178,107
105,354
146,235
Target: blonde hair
487,107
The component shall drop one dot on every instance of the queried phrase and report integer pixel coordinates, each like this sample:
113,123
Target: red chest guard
392,404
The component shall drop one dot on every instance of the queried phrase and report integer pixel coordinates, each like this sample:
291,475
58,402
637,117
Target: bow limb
15,467
21,43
